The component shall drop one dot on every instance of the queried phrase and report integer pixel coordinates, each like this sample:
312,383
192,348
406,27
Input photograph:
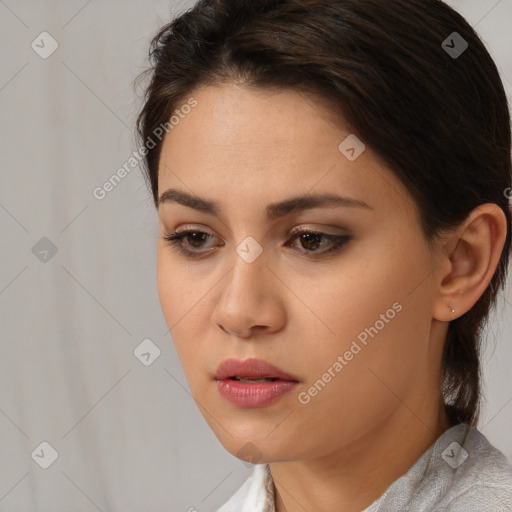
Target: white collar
255,495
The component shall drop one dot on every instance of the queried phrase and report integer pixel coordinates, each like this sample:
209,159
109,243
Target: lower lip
254,394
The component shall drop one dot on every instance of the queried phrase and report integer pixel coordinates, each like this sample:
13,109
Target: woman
332,194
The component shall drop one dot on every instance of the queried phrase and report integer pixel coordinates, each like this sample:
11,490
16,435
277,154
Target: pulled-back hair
438,119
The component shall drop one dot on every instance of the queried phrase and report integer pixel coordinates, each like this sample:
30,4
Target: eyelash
174,240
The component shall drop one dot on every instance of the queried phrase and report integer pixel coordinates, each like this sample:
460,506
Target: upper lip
250,369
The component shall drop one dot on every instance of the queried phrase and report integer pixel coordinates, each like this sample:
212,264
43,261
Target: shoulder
480,477
485,497
484,477
461,472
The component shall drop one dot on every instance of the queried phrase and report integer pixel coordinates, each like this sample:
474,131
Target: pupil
310,238
197,237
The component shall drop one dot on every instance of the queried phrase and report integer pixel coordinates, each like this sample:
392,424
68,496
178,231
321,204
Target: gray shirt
460,472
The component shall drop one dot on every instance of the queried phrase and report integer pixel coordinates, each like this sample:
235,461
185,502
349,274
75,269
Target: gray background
128,436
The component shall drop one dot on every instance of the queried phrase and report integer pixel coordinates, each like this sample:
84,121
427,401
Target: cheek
377,312
357,292
343,398
377,274
178,288
183,300
168,288
175,300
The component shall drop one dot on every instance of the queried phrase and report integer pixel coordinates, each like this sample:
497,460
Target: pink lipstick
252,382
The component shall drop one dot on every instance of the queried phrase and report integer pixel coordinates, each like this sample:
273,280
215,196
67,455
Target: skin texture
245,148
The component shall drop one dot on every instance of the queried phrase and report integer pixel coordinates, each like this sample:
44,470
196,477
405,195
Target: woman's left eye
311,241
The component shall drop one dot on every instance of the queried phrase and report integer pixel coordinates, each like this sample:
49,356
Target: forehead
239,144
252,125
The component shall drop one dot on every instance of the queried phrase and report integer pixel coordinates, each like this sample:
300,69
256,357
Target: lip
252,394
251,369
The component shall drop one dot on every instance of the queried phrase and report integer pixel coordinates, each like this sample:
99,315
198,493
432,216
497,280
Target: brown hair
441,121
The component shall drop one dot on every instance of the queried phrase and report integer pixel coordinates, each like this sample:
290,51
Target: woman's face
347,314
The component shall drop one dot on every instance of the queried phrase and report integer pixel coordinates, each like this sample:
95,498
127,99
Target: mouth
253,382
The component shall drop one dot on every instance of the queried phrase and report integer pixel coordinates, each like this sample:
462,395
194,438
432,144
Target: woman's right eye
193,237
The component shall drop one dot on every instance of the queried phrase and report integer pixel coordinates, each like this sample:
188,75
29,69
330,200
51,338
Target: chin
255,447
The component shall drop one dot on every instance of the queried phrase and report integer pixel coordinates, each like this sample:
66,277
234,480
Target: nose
250,301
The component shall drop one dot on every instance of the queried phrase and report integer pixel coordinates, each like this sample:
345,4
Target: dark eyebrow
274,210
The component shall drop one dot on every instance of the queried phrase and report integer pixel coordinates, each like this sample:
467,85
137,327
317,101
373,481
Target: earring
452,310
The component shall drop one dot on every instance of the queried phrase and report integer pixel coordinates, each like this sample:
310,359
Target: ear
467,261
